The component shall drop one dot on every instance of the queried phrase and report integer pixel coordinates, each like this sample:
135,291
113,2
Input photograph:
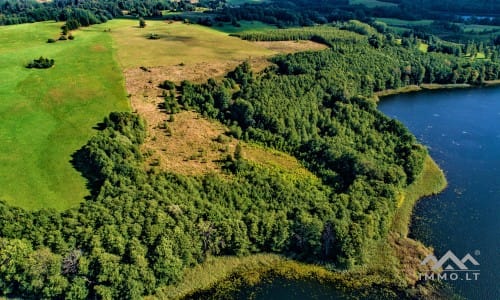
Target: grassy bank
48,114
431,182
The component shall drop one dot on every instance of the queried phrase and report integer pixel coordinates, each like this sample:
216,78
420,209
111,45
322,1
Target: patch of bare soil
292,46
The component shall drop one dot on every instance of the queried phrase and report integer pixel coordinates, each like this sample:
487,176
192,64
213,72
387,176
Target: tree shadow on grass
86,166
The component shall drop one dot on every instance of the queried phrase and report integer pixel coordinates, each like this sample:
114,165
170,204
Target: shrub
50,41
71,37
167,85
63,38
153,36
40,63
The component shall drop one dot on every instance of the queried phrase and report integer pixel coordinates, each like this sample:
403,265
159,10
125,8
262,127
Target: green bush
167,85
41,63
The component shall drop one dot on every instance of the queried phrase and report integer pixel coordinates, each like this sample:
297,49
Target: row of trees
84,12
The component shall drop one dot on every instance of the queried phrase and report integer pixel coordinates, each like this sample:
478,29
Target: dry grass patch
190,146
292,46
178,43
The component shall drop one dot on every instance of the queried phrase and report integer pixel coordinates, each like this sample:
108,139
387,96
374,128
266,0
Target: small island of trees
41,63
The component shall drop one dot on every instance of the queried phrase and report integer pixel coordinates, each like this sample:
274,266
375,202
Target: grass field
372,3
46,115
423,47
404,23
178,43
244,26
479,28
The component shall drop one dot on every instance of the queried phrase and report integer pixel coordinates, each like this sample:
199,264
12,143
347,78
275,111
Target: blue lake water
462,131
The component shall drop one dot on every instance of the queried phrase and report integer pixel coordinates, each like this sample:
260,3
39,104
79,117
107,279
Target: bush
153,36
50,41
142,23
71,37
63,38
40,63
167,85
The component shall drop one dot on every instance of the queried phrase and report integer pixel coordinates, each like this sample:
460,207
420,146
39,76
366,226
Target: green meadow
48,114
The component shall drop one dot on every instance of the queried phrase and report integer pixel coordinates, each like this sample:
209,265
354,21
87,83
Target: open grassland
372,3
244,26
404,23
178,44
292,46
46,115
478,28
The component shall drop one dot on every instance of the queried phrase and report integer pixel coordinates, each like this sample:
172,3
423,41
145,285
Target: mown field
46,115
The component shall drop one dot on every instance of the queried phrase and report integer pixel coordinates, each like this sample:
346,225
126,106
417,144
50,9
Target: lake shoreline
431,87
392,265
405,251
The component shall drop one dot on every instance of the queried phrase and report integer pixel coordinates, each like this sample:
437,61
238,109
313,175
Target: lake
461,128
462,131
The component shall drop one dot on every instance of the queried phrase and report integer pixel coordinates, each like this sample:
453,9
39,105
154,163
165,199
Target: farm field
49,114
